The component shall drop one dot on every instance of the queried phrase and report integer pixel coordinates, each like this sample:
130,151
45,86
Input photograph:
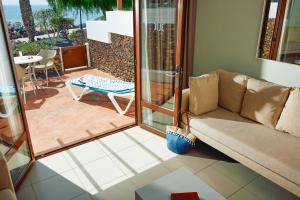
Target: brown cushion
204,93
232,88
264,101
289,120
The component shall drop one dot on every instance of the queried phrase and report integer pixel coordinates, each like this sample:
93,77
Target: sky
16,2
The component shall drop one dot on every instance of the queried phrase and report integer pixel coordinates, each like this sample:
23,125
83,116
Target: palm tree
27,18
90,5
79,5
53,4
108,5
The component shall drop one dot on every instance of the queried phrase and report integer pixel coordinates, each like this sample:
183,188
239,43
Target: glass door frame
180,46
25,136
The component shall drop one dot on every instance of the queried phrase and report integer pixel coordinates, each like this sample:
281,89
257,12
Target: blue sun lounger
111,88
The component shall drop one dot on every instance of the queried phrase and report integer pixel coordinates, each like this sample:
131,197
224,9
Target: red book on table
185,196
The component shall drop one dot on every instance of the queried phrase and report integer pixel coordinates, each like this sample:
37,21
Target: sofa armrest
185,100
5,180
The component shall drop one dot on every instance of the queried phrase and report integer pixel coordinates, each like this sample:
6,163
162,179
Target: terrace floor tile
56,120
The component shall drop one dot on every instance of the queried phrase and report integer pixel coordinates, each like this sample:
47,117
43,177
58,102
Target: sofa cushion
264,101
232,88
185,100
7,195
204,93
289,119
272,149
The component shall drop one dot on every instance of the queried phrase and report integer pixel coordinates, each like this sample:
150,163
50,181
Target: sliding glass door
14,141
159,43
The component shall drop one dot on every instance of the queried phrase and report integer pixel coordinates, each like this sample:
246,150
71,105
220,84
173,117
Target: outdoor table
29,60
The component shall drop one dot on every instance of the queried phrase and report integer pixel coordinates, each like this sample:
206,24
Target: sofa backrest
264,102
232,88
272,105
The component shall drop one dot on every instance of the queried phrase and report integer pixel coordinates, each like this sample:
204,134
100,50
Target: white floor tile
158,146
136,158
243,195
114,182
219,182
63,187
236,172
149,175
97,173
26,182
122,191
83,154
26,193
56,162
267,190
193,161
47,167
116,142
85,196
40,172
122,165
139,135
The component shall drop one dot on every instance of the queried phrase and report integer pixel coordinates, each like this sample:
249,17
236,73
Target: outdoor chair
24,75
47,63
112,88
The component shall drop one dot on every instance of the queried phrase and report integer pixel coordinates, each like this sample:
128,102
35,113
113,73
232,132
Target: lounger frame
111,96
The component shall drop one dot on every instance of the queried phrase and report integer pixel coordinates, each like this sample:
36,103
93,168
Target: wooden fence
74,57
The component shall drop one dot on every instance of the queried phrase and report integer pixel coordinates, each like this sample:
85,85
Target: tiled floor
56,120
113,167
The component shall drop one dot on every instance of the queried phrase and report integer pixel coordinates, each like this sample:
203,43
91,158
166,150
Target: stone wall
116,58
268,39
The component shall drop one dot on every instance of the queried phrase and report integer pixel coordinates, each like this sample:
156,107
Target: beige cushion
185,100
264,101
7,195
203,93
272,149
289,120
232,88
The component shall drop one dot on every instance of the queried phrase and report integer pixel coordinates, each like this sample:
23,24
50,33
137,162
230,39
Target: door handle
174,73
155,27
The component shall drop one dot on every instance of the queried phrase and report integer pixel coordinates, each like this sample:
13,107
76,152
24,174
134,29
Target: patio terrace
56,120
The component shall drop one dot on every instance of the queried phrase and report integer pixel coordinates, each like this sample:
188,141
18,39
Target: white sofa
271,153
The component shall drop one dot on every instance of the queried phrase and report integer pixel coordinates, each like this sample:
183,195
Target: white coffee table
181,180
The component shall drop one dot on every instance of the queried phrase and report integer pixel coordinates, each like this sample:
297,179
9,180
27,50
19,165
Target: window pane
158,50
266,48
11,121
19,162
289,49
155,119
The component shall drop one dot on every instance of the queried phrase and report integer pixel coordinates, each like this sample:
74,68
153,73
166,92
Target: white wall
294,20
119,22
227,36
98,30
